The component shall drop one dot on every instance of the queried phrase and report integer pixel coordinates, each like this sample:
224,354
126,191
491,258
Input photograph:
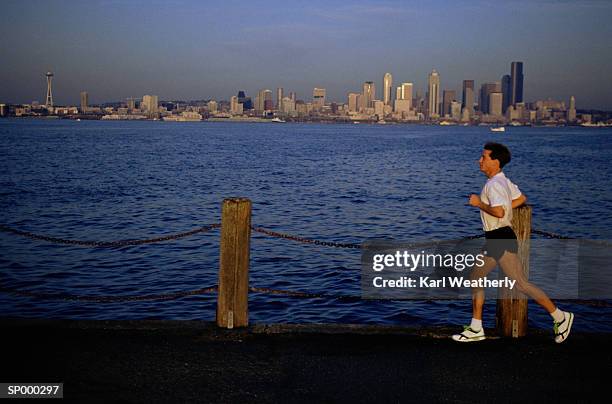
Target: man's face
486,164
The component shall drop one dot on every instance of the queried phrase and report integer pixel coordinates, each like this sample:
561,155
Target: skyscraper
495,104
448,96
318,97
150,103
244,100
368,95
433,104
468,96
485,90
353,102
84,101
571,112
263,101
49,98
506,89
387,88
516,71
279,98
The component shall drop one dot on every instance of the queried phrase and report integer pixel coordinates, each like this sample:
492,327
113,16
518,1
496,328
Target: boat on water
278,120
497,129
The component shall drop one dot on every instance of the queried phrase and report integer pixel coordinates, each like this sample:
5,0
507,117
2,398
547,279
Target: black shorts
499,241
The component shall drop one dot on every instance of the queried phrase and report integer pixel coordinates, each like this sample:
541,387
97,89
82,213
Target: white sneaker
469,335
563,328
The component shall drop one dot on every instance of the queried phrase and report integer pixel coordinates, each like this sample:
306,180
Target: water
118,180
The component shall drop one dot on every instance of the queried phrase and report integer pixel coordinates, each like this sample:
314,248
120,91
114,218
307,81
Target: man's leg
475,331
478,294
511,265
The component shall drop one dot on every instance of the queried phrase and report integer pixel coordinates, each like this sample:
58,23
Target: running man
496,201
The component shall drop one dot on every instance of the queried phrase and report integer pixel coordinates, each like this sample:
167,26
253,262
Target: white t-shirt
498,191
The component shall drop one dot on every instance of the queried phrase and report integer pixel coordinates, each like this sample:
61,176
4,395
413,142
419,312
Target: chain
550,235
110,299
119,243
603,243
305,240
350,245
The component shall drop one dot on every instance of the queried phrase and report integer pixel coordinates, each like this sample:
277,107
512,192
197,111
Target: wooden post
512,305
232,301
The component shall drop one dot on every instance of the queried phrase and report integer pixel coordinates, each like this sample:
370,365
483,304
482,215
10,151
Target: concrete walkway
182,361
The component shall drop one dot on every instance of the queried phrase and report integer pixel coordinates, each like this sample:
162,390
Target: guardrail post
511,315
232,300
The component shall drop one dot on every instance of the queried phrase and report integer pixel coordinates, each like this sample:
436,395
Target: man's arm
519,201
496,211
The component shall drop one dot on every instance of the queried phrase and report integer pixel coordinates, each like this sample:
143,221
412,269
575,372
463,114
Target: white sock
557,315
476,325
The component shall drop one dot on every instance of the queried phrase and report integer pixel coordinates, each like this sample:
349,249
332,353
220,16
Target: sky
188,50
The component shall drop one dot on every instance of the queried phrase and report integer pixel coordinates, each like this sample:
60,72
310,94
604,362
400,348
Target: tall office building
353,102
448,96
485,90
387,88
279,98
131,104
506,89
495,104
49,98
516,72
263,101
293,96
236,107
318,97
403,99
455,108
571,112
245,101
150,103
368,95
433,104
406,91
468,96
212,105
84,101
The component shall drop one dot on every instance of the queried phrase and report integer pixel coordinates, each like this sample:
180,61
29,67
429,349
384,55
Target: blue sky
199,50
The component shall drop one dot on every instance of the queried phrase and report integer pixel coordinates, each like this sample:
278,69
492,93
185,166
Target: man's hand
474,200
497,211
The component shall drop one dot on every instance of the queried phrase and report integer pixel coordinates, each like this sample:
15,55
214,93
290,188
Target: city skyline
190,50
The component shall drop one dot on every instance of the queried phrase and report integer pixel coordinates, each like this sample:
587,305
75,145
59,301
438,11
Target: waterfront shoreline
165,361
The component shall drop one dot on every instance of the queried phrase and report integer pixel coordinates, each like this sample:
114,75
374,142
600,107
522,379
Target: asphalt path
179,361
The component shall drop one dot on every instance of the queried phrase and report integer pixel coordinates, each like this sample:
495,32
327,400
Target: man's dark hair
498,152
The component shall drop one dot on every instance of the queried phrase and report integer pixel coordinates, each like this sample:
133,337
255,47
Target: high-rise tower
387,88
84,101
506,88
49,99
468,96
516,85
434,94
368,95
571,112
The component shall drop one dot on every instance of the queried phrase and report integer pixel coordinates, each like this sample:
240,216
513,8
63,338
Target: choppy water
119,180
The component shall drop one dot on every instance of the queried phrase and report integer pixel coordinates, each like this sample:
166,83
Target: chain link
548,234
109,299
119,243
349,245
304,240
